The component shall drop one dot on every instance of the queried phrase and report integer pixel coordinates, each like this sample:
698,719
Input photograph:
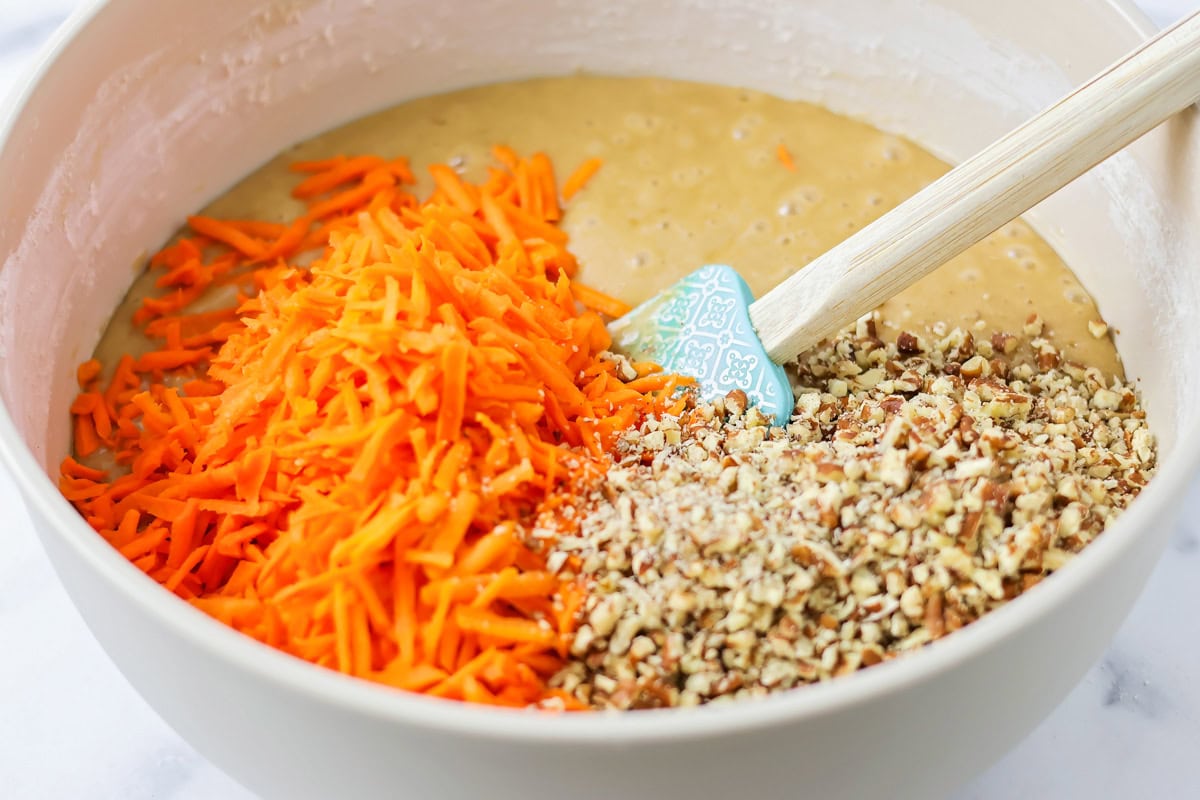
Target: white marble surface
71,727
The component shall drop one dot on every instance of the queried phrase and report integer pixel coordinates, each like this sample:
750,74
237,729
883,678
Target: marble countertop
72,727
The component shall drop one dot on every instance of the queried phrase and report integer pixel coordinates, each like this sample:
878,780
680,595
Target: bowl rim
58,518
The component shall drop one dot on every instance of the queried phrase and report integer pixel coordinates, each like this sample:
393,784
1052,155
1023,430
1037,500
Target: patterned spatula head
701,327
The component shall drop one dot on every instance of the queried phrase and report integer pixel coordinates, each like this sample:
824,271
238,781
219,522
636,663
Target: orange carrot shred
227,234
785,157
579,178
320,165
326,180
599,301
88,372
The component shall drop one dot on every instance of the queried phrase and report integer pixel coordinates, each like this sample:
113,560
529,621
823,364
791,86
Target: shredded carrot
599,301
346,464
320,165
785,157
231,235
579,178
87,373
343,172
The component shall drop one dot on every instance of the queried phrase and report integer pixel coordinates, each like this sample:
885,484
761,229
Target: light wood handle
982,194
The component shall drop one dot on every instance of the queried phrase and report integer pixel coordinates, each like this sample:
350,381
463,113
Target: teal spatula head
700,327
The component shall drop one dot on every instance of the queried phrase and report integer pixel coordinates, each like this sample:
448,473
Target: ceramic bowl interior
144,110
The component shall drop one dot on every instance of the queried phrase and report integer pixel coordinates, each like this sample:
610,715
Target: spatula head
700,327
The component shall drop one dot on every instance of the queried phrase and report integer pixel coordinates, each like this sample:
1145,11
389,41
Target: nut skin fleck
908,344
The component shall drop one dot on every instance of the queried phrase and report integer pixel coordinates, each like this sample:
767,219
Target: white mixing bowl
145,109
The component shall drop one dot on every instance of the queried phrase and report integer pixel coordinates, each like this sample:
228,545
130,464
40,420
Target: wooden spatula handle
982,194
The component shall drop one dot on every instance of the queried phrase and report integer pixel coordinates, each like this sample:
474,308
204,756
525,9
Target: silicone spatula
709,327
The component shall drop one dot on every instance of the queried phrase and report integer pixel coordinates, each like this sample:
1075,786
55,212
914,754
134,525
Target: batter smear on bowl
384,433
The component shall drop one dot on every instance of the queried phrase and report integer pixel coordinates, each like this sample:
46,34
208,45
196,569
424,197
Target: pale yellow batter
690,177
